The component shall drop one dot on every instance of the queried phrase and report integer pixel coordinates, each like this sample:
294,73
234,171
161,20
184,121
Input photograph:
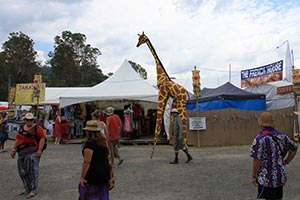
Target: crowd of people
271,150
99,150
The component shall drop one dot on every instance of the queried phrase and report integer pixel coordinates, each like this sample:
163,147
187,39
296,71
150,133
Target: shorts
178,144
269,193
3,136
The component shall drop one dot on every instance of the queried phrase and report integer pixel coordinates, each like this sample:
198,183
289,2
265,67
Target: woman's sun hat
92,125
28,116
266,119
109,110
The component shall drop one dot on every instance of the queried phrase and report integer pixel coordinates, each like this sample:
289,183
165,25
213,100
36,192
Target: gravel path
215,173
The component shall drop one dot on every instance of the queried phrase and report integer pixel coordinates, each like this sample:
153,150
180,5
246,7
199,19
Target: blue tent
227,96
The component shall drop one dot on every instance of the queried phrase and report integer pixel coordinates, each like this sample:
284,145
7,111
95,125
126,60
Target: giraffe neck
162,75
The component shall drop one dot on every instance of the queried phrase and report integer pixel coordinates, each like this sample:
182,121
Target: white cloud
209,34
41,57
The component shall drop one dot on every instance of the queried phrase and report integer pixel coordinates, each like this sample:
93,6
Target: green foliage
73,62
139,69
18,59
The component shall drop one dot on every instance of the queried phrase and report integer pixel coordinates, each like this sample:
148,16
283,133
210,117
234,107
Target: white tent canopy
274,100
52,94
124,84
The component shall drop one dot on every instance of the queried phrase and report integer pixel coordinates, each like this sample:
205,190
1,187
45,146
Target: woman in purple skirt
96,173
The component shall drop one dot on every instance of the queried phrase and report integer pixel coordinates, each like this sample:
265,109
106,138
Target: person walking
113,129
3,131
29,144
96,116
271,151
57,129
177,136
97,170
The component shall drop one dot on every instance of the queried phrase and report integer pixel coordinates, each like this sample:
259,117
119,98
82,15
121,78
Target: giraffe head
142,39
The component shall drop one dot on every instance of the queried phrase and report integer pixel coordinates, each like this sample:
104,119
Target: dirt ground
215,173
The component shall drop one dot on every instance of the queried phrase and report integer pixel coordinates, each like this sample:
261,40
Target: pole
9,84
37,107
292,58
229,73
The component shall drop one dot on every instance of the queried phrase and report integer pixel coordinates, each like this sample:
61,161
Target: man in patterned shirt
271,150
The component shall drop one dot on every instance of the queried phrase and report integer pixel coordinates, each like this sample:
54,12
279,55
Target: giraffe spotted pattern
167,88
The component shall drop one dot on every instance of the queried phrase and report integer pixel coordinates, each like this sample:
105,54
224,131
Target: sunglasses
29,120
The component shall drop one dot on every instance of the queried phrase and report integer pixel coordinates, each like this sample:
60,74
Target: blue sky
211,34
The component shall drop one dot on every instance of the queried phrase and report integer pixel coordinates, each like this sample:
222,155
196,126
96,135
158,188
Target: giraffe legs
162,100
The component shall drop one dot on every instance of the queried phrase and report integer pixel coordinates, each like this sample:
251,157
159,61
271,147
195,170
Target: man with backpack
29,145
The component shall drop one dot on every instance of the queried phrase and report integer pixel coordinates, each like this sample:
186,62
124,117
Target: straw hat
266,119
109,110
92,125
28,116
174,110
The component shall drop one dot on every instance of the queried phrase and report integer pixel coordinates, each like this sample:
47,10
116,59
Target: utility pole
8,88
229,73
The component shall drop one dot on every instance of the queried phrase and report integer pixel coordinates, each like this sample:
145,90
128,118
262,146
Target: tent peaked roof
124,84
125,74
228,96
227,91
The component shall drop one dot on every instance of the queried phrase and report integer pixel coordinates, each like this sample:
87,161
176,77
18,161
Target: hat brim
91,129
30,118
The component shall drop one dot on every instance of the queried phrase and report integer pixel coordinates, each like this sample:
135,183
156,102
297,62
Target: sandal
23,193
30,195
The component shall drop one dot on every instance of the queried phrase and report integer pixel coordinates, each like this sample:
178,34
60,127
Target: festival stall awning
124,84
228,96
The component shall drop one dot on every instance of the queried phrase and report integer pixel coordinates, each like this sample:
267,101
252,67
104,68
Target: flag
288,63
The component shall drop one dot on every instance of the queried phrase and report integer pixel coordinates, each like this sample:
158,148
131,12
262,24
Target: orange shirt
114,125
22,139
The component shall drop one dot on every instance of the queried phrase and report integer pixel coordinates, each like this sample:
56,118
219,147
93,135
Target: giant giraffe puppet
167,89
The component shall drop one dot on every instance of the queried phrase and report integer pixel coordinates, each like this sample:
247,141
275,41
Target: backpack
33,136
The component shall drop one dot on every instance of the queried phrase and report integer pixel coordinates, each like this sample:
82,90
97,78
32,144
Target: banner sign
24,94
256,76
197,123
285,89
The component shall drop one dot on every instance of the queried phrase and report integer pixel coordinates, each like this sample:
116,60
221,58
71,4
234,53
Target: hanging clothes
136,110
128,124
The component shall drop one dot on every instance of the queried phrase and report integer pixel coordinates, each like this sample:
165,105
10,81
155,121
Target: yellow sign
25,96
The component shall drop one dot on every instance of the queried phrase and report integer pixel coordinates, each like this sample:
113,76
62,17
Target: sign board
197,123
24,94
285,89
256,76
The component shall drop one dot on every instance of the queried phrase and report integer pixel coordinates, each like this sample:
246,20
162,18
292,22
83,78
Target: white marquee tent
124,84
274,100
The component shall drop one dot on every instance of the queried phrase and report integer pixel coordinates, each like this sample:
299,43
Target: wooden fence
235,127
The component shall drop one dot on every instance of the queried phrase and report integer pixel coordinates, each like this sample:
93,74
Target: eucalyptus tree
73,62
17,61
139,69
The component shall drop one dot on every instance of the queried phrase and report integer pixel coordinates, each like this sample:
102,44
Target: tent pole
229,73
